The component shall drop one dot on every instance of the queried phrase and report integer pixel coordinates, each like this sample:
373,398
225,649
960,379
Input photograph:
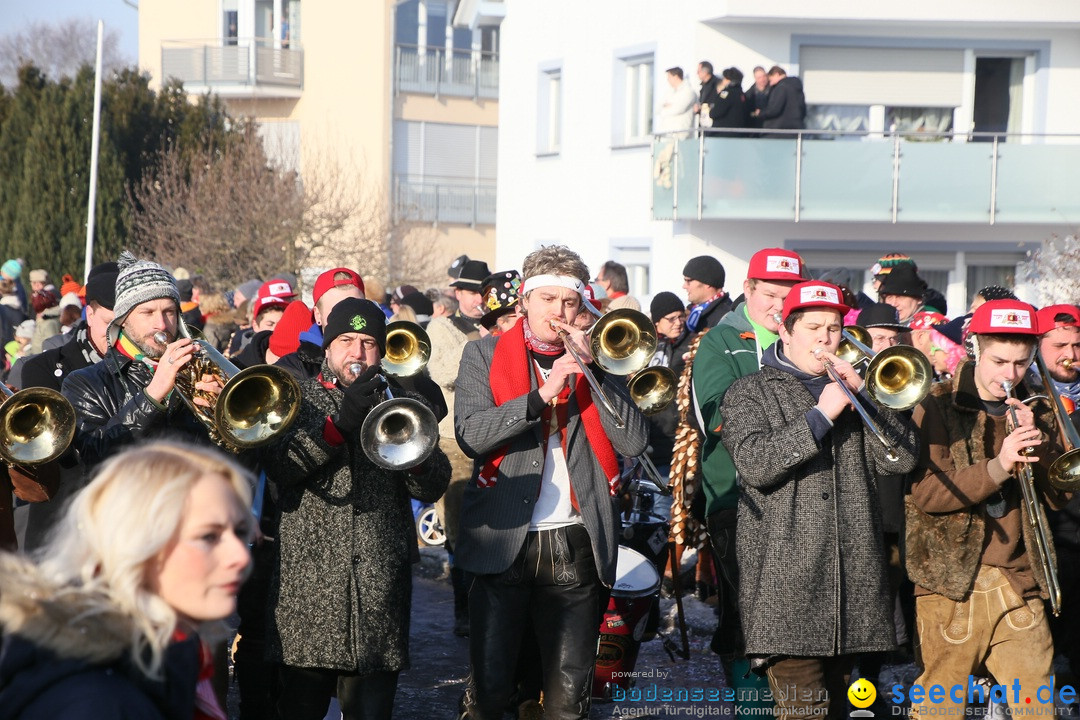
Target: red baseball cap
814,294
1046,317
926,320
1005,317
327,281
775,265
273,292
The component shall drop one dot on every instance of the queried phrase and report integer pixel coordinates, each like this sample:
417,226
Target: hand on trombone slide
1022,439
834,399
566,365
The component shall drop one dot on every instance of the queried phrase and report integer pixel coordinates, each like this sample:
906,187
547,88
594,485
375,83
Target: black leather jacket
112,410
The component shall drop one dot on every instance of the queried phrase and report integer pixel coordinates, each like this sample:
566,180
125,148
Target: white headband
565,281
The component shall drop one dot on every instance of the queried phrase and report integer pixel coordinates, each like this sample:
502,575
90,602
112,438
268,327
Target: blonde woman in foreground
106,624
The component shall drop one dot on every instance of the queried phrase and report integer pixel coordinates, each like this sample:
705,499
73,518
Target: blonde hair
214,303
404,312
112,534
624,301
555,260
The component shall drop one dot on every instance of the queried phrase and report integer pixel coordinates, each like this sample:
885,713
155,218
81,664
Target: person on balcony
731,103
708,96
787,104
677,110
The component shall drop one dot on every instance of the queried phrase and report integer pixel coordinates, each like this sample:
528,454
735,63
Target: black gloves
365,393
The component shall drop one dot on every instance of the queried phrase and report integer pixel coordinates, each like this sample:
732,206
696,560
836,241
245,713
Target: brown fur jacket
946,511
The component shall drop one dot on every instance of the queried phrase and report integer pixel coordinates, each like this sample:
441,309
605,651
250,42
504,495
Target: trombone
1064,473
400,432
898,377
890,448
1035,512
622,342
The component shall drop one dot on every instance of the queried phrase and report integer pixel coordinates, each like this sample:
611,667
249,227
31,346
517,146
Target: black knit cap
996,292
358,316
705,269
880,315
903,280
419,303
664,303
101,284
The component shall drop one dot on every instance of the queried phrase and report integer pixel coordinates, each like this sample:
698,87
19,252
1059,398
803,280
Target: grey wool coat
812,576
495,520
340,592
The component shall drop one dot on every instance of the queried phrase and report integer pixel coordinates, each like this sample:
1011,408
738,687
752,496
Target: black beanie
359,316
903,280
705,269
101,284
664,303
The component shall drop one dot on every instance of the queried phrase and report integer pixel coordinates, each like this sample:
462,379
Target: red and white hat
273,292
814,294
775,265
1047,317
1004,317
592,294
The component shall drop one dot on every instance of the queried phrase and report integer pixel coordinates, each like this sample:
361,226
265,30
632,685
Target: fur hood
62,656
67,623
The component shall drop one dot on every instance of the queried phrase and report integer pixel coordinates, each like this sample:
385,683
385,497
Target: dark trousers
728,638
304,694
553,583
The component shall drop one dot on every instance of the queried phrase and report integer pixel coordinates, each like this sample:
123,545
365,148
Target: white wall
590,195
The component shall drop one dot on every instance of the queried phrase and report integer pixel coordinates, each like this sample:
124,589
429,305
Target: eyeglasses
884,340
672,318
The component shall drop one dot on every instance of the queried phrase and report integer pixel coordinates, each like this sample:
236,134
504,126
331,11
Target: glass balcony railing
461,73
444,200
809,176
251,64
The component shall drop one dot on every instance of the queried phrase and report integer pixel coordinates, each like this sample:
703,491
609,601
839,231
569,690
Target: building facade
391,90
952,139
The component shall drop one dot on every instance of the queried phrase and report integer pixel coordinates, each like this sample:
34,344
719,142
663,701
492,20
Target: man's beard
148,347
1062,375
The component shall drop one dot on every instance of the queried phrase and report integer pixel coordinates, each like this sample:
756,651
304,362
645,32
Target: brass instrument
890,448
898,377
400,432
36,425
1064,472
653,388
1035,512
255,405
622,342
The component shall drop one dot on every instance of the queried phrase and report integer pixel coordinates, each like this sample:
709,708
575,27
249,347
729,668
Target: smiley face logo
862,693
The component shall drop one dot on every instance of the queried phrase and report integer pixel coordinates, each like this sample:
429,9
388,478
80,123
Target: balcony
432,71
251,68
444,200
807,176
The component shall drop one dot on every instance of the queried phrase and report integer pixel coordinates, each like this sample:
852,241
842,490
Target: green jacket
727,352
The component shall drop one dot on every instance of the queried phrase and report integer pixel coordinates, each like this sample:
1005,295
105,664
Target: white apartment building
582,83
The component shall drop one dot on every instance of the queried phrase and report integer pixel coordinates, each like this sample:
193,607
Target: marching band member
340,592
128,396
812,588
539,525
1060,348
979,592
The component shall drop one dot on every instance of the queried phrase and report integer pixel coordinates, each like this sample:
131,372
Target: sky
15,15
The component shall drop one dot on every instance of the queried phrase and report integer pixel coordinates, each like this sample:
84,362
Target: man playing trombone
812,582
340,592
539,524
978,549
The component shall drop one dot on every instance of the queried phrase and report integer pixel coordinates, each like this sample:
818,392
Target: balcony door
999,91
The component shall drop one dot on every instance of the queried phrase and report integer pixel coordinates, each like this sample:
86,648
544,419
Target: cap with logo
353,315
1004,317
1047,317
814,294
273,292
775,265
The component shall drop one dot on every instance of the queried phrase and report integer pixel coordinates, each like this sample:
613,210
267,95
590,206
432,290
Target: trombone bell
37,425
653,389
623,341
899,377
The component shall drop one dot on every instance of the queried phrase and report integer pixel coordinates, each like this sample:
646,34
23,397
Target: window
407,22
549,112
839,118
636,255
980,276
928,120
436,23
639,99
230,22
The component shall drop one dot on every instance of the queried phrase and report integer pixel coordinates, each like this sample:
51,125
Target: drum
635,591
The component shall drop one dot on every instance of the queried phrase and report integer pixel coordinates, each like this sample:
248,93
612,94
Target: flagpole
95,137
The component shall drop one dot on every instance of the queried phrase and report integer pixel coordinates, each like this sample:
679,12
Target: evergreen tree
16,128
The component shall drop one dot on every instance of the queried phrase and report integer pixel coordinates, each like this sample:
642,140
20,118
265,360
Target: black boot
460,579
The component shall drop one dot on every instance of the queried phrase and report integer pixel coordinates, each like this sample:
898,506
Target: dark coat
812,578
787,106
495,519
755,100
303,364
112,411
71,664
341,588
730,108
709,96
49,368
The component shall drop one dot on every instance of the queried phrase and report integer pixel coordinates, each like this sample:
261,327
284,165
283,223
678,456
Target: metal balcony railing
811,175
432,71
250,63
444,200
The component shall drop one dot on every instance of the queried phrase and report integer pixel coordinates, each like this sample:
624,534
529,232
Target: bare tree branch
59,49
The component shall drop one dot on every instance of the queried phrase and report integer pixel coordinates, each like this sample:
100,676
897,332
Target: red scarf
206,702
509,377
